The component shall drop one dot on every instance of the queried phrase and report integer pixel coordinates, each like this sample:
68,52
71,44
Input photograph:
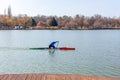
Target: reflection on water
97,52
51,50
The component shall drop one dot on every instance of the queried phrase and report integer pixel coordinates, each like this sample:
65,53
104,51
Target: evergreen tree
53,22
33,22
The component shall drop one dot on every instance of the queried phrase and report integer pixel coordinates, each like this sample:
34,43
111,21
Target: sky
108,8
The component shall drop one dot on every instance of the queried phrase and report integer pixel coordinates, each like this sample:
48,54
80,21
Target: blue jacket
53,43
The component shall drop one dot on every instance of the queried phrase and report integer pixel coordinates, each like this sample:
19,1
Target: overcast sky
109,8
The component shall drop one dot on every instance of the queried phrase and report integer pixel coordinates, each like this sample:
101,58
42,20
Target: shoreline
59,29
38,76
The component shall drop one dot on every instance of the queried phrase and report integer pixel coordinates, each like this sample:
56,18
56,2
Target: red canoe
66,48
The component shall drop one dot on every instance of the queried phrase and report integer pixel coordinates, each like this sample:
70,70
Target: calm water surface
97,52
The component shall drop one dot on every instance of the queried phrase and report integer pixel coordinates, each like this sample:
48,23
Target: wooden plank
68,77
50,77
76,77
4,77
9,77
29,76
1,76
38,76
43,77
60,77
13,76
21,77
33,77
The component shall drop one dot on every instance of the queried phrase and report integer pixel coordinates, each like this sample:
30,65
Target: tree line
79,22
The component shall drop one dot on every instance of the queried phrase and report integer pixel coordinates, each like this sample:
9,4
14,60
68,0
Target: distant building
19,27
9,11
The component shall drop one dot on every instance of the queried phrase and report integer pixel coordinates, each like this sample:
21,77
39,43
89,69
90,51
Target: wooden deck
50,77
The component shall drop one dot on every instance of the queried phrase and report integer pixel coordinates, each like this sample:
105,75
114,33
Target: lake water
97,52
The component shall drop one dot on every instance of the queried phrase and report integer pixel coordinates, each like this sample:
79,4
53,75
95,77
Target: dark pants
50,46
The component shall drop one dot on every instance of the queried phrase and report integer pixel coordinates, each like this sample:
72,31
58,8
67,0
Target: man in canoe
52,44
